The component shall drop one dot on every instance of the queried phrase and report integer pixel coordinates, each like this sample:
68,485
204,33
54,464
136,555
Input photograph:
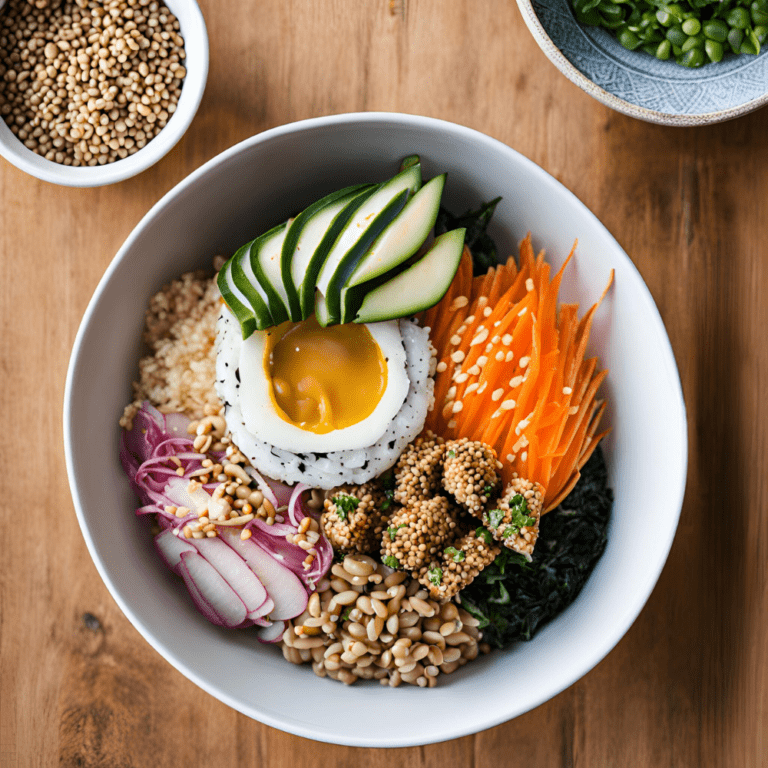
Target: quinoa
469,473
353,518
179,373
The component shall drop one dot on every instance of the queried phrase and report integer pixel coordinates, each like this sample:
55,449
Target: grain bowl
218,208
96,93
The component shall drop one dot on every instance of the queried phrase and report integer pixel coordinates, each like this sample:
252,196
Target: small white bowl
242,192
196,46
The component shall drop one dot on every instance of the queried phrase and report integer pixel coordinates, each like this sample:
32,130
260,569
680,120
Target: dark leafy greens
513,598
477,238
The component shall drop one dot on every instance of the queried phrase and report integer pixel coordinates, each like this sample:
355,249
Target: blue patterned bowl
638,84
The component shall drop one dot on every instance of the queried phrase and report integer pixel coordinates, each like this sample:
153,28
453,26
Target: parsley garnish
392,530
456,554
487,490
345,615
451,454
391,561
493,517
484,534
435,576
345,504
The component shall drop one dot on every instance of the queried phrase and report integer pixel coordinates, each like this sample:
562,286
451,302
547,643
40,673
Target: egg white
262,420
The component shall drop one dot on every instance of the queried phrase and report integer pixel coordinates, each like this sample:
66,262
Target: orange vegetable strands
511,371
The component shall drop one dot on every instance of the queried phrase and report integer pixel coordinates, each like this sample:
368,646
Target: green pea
716,30
714,50
628,39
750,44
692,58
664,50
759,15
735,38
761,33
738,18
664,18
691,27
611,12
675,10
697,41
676,36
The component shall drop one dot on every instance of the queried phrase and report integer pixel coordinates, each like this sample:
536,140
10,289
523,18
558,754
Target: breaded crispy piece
353,519
470,473
415,534
458,564
417,472
514,518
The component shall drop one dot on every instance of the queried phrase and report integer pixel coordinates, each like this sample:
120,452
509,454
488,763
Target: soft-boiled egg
305,388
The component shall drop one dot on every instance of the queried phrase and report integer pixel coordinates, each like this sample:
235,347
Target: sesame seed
524,361
506,339
474,370
522,311
497,394
496,339
452,424
511,457
455,339
471,388
488,347
508,405
482,335
497,324
574,409
459,302
515,382
482,388
458,356
482,360
461,378
441,366
529,284
500,355
524,456
451,393
487,312
469,320
567,391
509,357
448,409
457,406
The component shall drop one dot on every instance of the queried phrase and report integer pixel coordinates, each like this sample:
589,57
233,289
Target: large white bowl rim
651,430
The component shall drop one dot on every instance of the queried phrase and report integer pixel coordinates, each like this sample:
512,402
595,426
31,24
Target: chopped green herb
451,454
391,561
513,598
345,614
478,240
338,556
435,576
392,530
487,490
484,534
456,554
493,517
345,504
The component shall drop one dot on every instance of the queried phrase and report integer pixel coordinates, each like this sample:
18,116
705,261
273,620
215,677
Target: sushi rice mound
328,470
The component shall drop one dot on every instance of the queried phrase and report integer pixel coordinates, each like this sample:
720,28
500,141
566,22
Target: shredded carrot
512,372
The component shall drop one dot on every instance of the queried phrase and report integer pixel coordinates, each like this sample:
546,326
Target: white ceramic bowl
196,46
242,192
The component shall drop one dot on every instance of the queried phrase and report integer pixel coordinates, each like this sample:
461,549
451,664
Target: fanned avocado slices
353,255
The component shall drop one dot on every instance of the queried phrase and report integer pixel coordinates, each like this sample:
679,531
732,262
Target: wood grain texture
688,685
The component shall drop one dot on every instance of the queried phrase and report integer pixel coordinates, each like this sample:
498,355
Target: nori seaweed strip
513,598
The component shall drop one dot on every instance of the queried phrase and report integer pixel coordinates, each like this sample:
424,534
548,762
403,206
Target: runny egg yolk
323,379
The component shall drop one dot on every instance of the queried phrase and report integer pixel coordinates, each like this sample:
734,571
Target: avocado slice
362,229
235,300
303,236
397,243
265,262
326,228
420,286
246,282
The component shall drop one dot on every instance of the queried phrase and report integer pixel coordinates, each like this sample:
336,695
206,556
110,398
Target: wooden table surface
688,685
